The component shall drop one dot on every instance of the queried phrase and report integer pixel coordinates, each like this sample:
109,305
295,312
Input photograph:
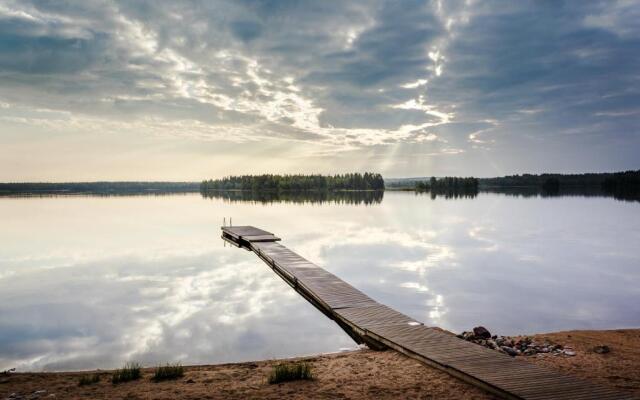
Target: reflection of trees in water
308,197
560,192
450,193
352,197
89,194
625,196
623,185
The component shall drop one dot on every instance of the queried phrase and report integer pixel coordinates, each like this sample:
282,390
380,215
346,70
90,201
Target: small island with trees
296,183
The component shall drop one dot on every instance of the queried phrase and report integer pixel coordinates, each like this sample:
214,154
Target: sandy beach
359,374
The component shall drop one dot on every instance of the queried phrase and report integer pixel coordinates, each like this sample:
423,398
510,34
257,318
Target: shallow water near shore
91,282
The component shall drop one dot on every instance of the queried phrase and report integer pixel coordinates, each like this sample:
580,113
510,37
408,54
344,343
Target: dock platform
380,327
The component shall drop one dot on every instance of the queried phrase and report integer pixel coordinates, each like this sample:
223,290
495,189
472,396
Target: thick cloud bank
488,86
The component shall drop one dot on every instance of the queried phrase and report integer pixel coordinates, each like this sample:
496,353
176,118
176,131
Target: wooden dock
379,326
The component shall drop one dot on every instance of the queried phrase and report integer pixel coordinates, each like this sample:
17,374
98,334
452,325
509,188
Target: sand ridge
363,374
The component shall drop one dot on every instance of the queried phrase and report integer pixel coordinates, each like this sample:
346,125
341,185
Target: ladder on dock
379,326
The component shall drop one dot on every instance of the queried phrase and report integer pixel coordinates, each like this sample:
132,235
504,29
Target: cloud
266,65
619,17
341,75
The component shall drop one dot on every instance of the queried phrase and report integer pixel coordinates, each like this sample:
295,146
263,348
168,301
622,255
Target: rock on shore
515,345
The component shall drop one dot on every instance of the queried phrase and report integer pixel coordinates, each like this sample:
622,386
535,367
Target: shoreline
357,374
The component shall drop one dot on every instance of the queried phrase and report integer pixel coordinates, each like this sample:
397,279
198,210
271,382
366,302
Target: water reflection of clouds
437,308
139,311
481,234
415,285
508,266
412,251
148,279
392,258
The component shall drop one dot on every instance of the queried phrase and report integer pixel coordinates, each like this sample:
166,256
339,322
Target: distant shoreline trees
296,183
551,185
448,184
621,185
97,188
561,180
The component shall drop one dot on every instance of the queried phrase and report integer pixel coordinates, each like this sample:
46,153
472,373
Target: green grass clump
286,372
167,372
88,379
130,372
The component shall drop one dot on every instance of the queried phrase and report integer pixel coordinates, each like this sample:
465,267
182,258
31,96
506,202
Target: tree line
563,180
448,184
299,183
99,188
623,185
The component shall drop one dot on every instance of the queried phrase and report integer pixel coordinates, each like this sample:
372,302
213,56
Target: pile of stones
38,394
514,345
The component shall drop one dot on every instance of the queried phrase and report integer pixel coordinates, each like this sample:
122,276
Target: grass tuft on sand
286,372
130,372
168,372
88,379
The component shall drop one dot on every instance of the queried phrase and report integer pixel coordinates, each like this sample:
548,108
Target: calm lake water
91,282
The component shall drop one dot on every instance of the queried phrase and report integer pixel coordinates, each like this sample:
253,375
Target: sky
188,90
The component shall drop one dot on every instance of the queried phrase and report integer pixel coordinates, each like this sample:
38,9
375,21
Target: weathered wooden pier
380,327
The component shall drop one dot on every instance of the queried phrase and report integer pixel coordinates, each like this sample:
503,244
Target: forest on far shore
622,185
97,188
625,184
301,183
